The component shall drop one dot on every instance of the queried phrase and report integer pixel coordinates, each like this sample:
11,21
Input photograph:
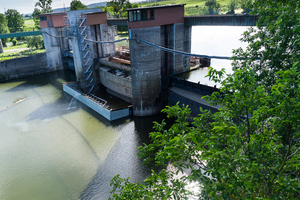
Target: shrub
15,42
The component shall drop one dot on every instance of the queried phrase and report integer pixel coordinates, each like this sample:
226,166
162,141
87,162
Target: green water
48,151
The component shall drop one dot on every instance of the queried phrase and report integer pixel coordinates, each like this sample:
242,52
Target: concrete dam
141,74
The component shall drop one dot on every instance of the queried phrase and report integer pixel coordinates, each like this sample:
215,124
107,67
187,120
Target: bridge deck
20,34
205,20
221,20
193,96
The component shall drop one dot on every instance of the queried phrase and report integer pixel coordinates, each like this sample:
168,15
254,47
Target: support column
77,61
145,71
187,46
53,51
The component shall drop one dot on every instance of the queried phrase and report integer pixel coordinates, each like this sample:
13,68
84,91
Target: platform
97,105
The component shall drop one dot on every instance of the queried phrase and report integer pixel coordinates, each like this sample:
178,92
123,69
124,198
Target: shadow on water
55,109
123,158
43,79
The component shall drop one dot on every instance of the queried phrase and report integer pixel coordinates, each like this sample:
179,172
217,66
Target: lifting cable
106,41
88,39
53,35
188,54
183,53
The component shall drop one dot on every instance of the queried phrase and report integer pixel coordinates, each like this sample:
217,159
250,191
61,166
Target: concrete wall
72,15
107,33
150,65
26,66
145,72
120,85
102,32
52,46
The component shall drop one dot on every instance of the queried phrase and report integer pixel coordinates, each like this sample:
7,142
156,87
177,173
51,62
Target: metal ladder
83,32
66,32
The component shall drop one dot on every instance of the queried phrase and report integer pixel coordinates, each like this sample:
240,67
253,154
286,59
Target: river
51,151
214,41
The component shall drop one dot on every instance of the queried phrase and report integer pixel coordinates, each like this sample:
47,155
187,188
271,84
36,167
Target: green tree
77,5
15,21
44,5
35,41
117,6
232,5
128,5
246,5
36,18
250,149
212,7
3,27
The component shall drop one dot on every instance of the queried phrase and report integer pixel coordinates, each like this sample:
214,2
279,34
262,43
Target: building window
151,14
134,16
130,16
144,14
141,15
138,15
43,18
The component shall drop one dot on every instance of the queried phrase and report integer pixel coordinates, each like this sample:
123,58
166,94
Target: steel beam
20,34
221,20
118,22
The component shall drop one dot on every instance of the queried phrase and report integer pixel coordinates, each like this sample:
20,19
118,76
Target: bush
15,42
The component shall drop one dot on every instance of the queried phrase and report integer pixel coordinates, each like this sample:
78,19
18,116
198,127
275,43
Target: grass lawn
189,3
18,51
122,35
18,46
190,7
29,24
12,55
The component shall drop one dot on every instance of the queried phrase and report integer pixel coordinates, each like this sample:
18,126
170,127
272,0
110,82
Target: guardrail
193,87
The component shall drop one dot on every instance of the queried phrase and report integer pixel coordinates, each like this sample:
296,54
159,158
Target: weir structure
159,46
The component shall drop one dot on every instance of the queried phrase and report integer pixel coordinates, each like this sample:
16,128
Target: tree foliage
15,21
36,18
246,5
77,5
213,8
250,149
44,5
3,27
232,5
35,41
117,7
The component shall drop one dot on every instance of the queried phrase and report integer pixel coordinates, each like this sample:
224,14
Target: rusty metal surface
119,60
220,20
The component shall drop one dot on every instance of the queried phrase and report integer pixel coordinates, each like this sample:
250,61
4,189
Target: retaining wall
25,66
